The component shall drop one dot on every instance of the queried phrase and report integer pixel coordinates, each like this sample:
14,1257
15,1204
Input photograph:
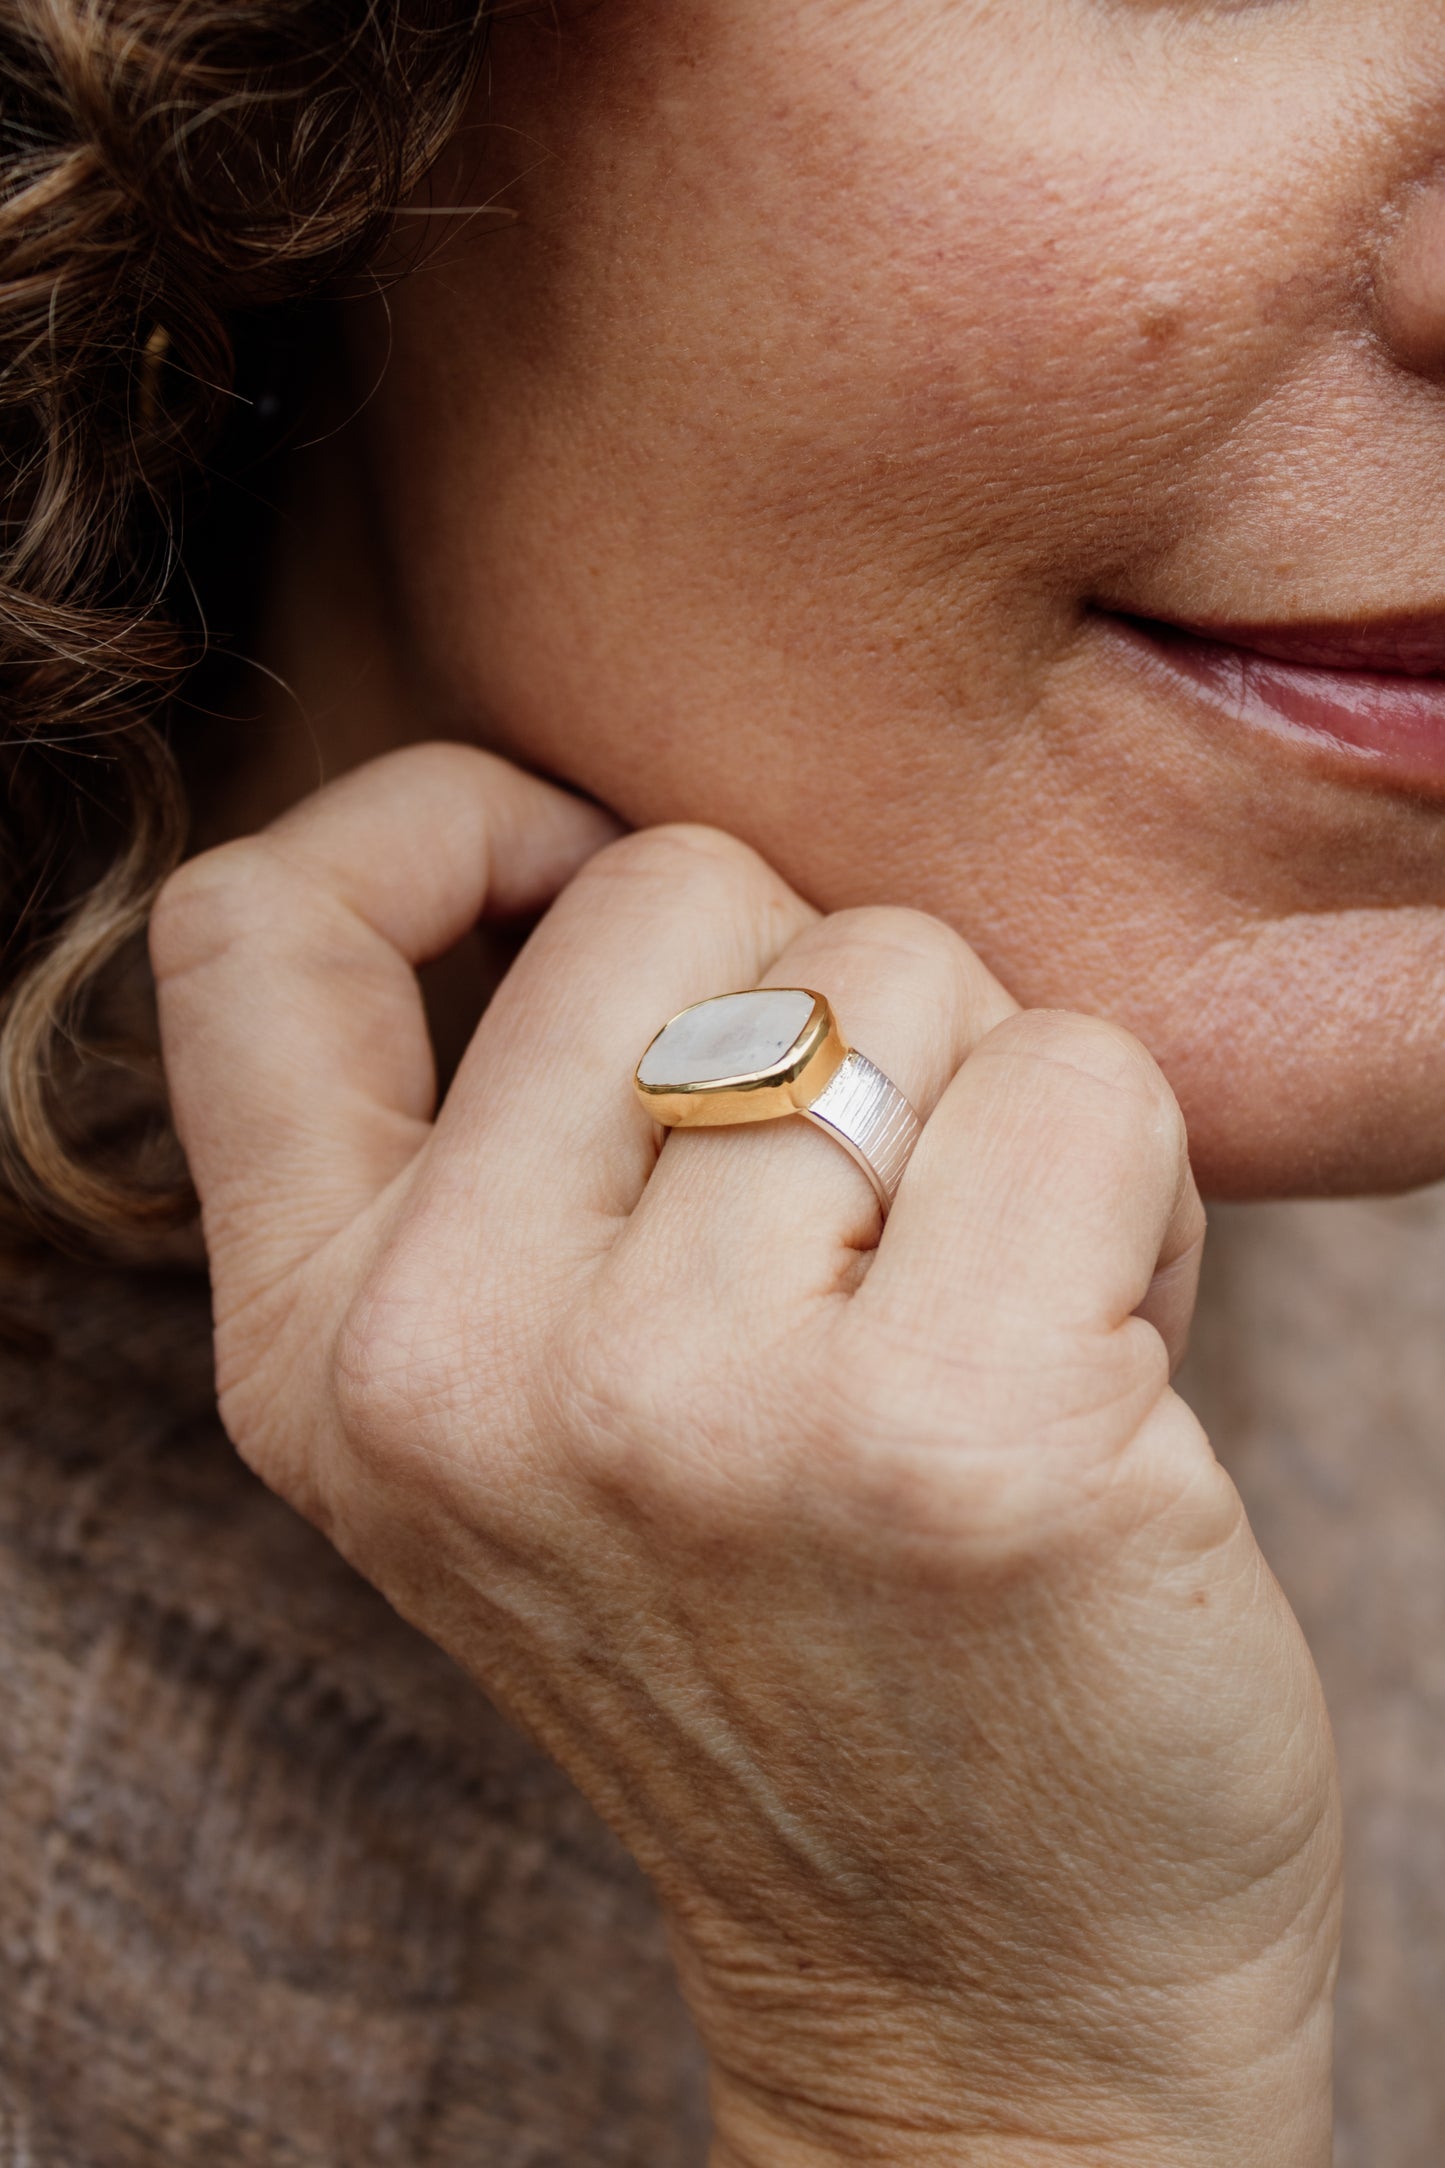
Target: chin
1313,1064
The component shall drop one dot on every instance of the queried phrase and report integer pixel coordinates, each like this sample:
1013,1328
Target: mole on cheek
1159,319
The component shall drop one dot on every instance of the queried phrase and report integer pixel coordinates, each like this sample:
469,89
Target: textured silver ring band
867,1114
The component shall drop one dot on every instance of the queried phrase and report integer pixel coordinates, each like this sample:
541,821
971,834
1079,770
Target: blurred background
1318,1369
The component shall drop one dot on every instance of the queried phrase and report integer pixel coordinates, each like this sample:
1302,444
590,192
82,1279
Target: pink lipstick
1374,692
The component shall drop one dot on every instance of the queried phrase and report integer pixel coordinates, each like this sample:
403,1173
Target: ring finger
775,1210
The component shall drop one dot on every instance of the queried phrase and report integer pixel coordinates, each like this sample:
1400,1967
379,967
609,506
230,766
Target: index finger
292,1025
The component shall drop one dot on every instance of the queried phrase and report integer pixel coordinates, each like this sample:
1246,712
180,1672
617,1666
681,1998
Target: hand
879,1592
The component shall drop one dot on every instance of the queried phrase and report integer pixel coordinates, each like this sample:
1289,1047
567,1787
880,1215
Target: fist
872,1581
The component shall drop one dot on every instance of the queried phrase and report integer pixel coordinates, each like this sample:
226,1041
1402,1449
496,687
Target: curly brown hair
165,165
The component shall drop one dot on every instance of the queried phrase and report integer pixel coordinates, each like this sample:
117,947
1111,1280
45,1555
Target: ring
774,1051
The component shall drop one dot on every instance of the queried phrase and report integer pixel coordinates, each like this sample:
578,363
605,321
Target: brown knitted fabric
277,1887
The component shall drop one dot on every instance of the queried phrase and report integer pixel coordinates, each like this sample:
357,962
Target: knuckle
1093,1046
395,1367
622,1399
914,939
372,1365
445,763
1091,1053
671,1434
210,903
1005,1446
595,1389
683,853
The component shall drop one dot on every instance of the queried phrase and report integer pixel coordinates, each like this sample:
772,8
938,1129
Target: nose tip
1410,283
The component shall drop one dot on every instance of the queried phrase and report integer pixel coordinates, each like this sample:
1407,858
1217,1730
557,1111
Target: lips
1397,647
1373,693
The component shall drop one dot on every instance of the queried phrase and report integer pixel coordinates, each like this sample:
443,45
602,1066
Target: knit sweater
278,1889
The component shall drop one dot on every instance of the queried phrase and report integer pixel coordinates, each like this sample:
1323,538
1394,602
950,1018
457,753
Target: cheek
799,311
804,389
876,268
758,477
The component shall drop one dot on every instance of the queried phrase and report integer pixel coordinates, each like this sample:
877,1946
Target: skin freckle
1160,322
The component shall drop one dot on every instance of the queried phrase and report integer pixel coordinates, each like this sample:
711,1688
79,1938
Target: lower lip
1387,729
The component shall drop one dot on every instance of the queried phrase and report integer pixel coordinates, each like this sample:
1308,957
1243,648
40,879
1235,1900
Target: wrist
748,2136
1276,2114
760,2150
814,2066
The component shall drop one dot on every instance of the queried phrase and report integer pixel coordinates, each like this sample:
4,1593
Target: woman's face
856,378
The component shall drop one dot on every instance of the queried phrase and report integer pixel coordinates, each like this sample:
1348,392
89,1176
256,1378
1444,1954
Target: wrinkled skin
880,1592
845,355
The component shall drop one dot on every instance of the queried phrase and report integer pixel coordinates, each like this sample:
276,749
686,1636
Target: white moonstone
735,1035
